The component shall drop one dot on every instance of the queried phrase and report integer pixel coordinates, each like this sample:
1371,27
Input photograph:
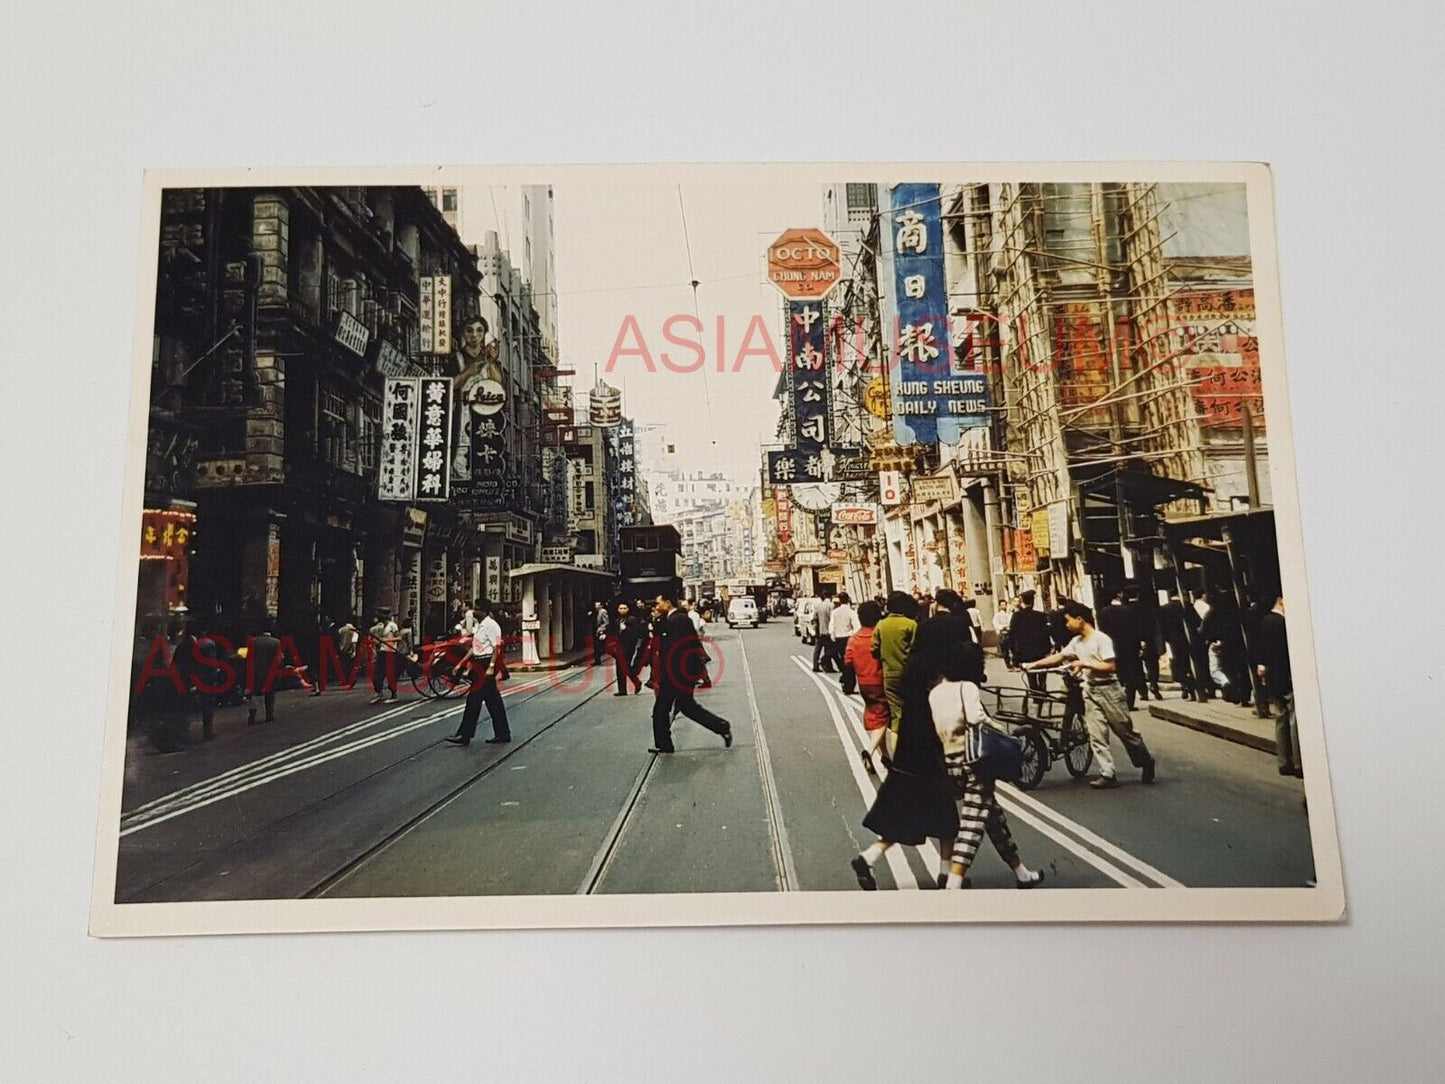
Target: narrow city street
343,798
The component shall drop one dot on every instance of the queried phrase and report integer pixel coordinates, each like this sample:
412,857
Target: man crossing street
677,669
485,662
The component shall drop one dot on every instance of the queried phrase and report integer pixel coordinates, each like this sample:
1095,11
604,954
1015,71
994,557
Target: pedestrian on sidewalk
915,801
1278,682
1228,668
677,668
1002,618
623,639
484,663
1091,654
208,677
384,633
1029,639
975,619
1119,622
957,711
891,646
1178,625
842,624
261,673
861,670
822,636
600,620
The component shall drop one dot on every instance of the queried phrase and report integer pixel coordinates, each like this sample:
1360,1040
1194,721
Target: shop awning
541,568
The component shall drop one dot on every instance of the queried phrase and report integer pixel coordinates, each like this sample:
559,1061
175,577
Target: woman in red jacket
868,673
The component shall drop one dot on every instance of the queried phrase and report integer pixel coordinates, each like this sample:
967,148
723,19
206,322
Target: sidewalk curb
1218,730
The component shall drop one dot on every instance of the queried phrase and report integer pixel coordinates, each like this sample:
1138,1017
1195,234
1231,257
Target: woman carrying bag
973,763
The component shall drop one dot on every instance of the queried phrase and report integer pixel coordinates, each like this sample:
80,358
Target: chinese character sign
426,314
433,475
400,415
807,338
442,313
933,400
793,466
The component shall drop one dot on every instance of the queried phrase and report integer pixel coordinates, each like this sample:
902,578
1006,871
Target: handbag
992,754
848,679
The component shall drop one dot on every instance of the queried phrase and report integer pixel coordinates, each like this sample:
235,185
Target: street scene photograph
755,544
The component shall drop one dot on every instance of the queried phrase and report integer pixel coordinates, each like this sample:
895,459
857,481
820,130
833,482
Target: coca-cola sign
855,514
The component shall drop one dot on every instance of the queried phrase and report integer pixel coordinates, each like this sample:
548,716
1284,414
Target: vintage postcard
698,545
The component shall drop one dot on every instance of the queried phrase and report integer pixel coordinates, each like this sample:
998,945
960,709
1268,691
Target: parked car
803,619
742,611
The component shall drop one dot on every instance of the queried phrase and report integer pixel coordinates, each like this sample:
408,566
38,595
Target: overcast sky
621,251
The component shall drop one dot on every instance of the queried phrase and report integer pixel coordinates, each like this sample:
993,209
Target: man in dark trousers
1179,627
1029,638
261,674
1120,623
485,663
1278,682
677,668
626,635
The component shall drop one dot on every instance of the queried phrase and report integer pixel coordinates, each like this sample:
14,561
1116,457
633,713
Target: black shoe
1104,782
1147,776
498,741
727,737
1036,879
620,692
868,763
1155,693
661,752
864,874
457,739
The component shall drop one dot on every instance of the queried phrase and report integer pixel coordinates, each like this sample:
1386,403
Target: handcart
1050,724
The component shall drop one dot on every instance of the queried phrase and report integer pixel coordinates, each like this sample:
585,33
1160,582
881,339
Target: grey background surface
1339,101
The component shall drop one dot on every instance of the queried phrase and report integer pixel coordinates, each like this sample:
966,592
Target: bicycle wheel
1078,757
1036,757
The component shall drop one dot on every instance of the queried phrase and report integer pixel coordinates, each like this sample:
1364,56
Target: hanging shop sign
560,554
807,346
479,456
790,466
400,417
933,398
433,469
1038,525
165,533
604,404
436,579
426,314
890,488
1059,529
804,264
390,361
442,314
940,488
352,334
855,514
494,577
875,398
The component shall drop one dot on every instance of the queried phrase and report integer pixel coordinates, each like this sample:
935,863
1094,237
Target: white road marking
242,787
782,849
267,763
1031,811
903,875
1117,853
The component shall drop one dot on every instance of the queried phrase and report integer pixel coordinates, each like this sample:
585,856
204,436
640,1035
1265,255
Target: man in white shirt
485,663
384,633
1091,654
823,636
842,624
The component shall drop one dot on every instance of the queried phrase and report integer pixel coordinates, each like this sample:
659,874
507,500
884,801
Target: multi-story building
278,311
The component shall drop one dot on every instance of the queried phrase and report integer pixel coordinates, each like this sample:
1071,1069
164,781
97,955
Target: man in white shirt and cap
485,663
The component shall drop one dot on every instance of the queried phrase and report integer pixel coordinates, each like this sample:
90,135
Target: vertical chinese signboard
783,501
426,314
442,313
807,339
1221,352
400,415
433,471
933,399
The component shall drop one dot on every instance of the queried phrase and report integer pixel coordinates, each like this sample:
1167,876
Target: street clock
817,496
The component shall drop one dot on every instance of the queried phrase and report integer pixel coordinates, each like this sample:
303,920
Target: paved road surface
343,798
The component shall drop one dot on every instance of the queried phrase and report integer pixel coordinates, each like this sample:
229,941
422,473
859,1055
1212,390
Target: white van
742,611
